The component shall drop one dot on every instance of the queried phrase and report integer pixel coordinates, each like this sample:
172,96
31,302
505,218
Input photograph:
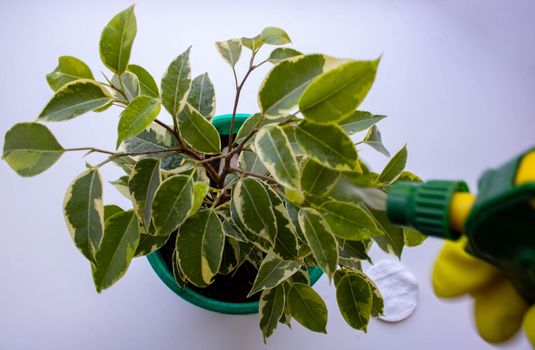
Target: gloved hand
499,310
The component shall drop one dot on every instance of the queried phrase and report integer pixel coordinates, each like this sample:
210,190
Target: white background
456,80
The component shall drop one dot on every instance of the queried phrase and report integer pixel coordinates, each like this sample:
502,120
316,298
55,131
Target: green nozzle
424,206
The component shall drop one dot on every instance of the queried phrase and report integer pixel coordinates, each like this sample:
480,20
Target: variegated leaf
272,272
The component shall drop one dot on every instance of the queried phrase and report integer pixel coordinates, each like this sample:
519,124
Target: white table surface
457,80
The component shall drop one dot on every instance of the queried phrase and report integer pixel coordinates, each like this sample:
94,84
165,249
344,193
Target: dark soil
233,287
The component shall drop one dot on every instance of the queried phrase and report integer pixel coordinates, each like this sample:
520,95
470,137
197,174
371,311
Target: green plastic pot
222,124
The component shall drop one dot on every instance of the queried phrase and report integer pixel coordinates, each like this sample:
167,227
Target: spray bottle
499,223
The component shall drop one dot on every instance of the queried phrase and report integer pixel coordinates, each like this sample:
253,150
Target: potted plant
236,213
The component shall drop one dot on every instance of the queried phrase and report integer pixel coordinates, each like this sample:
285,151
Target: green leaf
177,272
271,309
394,168
231,256
69,69
336,94
307,307
320,240
355,251
316,179
280,91
281,54
349,221
30,149
354,297
412,238
150,243
251,162
408,176
143,183
359,121
116,40
248,125
392,241
274,150
73,99
147,84
286,246
329,145
230,50
84,212
172,202
253,44
274,36
202,96
155,138
118,247
200,190
110,210
176,83
198,132
121,184
254,210
129,86
272,272
199,245
137,116
377,298
374,140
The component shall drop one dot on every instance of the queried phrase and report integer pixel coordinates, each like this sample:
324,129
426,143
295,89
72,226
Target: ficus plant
287,191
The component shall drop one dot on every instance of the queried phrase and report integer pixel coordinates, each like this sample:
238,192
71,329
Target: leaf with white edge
172,202
200,190
289,130
394,168
336,94
353,250
177,272
73,99
110,210
374,140
359,121
316,179
143,183
137,116
408,176
118,247
274,36
121,184
253,207
393,239
116,40
199,245
30,149
84,212
155,138
251,162
150,243
307,307
349,221
147,84
329,145
231,256
272,272
176,84
253,44
286,245
230,50
280,91
198,132
281,54
127,88
248,125
271,309
412,238
377,298
202,95
233,232
274,150
301,276
320,240
69,69
354,297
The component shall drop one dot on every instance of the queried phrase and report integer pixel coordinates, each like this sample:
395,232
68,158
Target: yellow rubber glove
499,310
